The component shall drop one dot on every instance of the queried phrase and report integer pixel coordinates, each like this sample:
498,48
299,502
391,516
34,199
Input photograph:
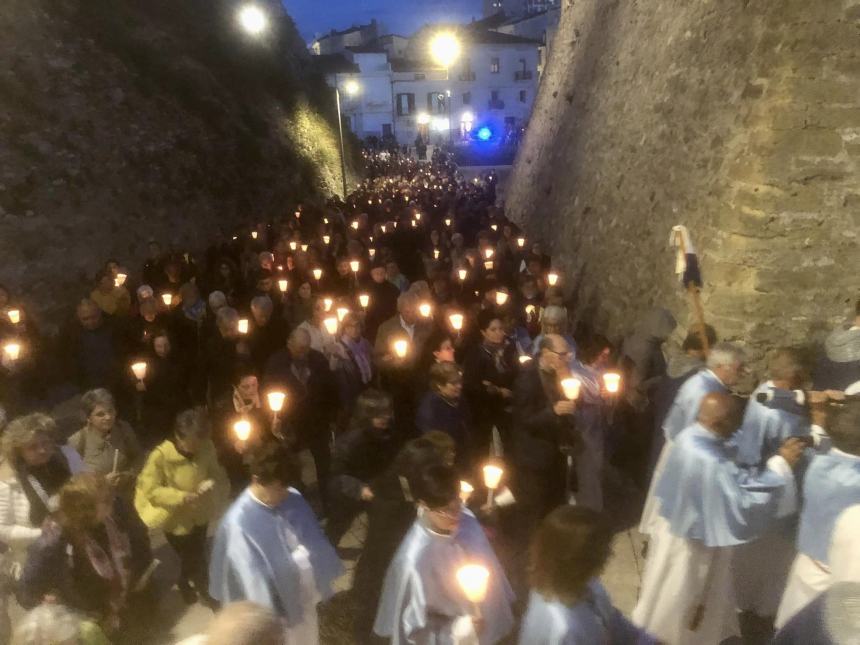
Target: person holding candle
180,490
111,298
93,350
489,371
107,445
354,368
567,603
383,299
421,600
270,549
444,409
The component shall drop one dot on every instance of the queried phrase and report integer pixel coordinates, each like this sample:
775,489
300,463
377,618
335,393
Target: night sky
397,16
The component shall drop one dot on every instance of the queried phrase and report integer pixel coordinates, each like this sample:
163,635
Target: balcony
523,75
496,104
467,76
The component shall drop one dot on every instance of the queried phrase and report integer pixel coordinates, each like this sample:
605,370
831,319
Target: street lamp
351,87
252,19
445,49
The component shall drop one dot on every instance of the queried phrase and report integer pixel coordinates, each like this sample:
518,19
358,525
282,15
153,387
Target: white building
492,85
335,42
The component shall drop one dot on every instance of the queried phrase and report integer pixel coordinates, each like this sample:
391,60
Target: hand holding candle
612,382
139,370
473,580
570,386
242,430
400,348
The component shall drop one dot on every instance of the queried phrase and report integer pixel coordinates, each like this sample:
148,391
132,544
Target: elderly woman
93,556
354,369
181,488
107,445
32,472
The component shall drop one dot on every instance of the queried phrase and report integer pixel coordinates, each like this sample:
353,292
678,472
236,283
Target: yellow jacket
168,476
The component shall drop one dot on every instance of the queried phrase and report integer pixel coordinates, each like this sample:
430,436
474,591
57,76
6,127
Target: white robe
674,584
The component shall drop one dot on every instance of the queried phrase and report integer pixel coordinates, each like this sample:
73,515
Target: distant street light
423,118
445,49
253,19
351,87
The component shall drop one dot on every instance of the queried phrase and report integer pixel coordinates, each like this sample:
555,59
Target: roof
334,64
490,22
484,37
384,36
513,20
349,30
370,48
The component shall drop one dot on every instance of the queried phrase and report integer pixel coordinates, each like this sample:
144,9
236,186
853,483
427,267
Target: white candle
167,298
448,222
330,325
282,285
401,347
139,370
425,309
276,401
524,358
552,278
492,476
242,428
456,321
612,381
14,316
342,312
363,300
521,242
317,274
462,273
243,325
570,386
354,265
501,298
120,279
466,490
115,459
473,580
12,350
327,303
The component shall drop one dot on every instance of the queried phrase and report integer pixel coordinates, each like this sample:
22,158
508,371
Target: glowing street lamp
252,19
351,87
445,48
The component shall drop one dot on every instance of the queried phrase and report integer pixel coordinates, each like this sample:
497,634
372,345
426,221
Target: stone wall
122,120
737,118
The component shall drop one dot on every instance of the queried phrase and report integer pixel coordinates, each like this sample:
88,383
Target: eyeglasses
449,512
564,354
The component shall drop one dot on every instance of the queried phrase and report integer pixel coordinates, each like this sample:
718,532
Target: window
523,96
405,104
467,98
435,103
523,67
494,65
420,77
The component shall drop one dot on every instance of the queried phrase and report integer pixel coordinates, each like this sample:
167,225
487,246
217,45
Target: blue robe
705,496
421,597
592,426
685,407
831,485
251,557
590,621
765,428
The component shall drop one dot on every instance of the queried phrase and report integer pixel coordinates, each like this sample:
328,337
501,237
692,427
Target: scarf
40,484
111,565
498,355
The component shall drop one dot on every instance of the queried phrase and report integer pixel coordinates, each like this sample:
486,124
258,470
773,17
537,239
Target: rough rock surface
122,120
740,120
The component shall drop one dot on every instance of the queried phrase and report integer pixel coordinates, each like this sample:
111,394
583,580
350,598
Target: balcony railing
496,104
523,75
467,76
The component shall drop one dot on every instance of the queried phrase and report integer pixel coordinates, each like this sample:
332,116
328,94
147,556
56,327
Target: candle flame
330,325
612,381
139,370
276,401
363,300
473,580
492,476
243,325
400,347
570,386
242,428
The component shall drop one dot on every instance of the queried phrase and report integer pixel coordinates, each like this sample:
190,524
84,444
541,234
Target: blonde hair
23,430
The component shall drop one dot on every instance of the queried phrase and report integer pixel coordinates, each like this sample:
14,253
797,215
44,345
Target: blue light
485,134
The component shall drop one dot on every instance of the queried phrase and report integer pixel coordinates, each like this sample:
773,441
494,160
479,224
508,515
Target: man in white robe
708,505
724,369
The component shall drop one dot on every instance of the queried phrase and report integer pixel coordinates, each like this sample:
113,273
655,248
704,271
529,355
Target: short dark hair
437,485
193,422
844,429
570,548
442,374
593,347
270,462
693,340
486,318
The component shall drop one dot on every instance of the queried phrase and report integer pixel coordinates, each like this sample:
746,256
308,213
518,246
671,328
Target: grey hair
93,398
407,298
46,624
245,623
262,302
725,354
227,317
192,423
555,315
217,300
299,333
23,430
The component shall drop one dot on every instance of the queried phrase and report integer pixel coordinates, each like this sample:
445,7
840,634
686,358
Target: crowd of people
420,350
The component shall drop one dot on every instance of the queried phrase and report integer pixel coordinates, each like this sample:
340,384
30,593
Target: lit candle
448,222
530,310
456,321
139,370
121,278
473,580
294,246
425,309
326,239
382,228
466,490
488,253
243,325
488,265
495,227
492,476
342,312
414,224
242,428
462,273
435,254
552,278
317,274
304,248
327,303
371,252
325,220
521,242
12,350
363,300
254,234
282,285
525,358
14,316
354,225
354,265
570,386
418,216
400,347
330,325
167,298
276,401
501,298
612,381
298,214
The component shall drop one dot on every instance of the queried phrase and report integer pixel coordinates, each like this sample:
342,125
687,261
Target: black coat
537,431
360,455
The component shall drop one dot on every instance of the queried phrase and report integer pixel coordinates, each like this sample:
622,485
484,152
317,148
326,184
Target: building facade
335,42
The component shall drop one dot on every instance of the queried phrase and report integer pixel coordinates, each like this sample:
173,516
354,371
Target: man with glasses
421,600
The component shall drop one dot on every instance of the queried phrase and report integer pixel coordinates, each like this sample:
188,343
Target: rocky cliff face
740,120
122,120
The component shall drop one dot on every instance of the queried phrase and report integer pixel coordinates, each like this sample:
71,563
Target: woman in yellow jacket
181,489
